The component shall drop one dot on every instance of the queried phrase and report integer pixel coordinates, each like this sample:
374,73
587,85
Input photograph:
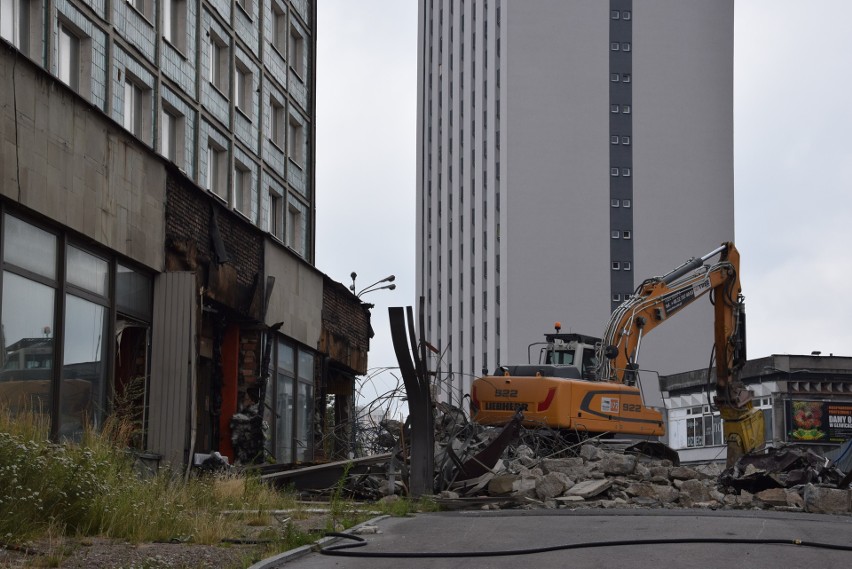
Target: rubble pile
540,469
518,467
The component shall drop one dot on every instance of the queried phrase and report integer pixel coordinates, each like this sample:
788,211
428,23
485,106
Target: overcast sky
792,164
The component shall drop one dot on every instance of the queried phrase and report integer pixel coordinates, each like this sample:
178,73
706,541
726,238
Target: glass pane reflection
29,247
27,357
87,271
305,411
83,366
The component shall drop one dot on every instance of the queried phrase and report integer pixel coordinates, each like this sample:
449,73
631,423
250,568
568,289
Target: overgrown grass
51,491
91,488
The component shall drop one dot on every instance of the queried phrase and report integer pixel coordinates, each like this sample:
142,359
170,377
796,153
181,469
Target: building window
296,55
704,429
32,328
613,171
172,125
14,23
275,221
627,234
218,62
174,23
283,407
626,203
133,107
615,234
144,7
242,189
296,140
279,28
277,122
216,172
304,407
243,89
68,57
616,266
294,226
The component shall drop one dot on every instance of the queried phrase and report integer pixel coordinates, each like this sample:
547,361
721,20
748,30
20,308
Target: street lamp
375,286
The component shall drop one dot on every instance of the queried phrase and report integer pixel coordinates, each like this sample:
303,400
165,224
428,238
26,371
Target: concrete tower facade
566,152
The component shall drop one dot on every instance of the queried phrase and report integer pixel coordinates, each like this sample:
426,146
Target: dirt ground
101,553
104,553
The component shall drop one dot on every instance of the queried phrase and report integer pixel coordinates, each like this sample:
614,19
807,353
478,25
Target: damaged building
157,229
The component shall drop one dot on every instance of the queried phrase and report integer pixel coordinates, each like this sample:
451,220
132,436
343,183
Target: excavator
587,386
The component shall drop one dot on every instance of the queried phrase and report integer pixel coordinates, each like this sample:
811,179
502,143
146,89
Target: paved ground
516,530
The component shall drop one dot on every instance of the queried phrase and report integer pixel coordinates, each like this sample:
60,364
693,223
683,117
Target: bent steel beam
416,380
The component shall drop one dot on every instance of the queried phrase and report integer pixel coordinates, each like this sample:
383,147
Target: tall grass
91,488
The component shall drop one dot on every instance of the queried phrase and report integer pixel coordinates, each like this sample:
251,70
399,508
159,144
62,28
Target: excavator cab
577,350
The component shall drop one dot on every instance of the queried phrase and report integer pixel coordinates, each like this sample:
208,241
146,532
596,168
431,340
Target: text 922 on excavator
587,385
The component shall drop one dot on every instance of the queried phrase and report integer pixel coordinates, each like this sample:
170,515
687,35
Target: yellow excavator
586,385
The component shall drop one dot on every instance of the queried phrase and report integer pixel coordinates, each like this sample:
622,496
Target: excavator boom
658,299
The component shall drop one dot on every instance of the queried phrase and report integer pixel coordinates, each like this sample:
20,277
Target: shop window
35,319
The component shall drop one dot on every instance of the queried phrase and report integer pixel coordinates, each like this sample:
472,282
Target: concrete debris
480,467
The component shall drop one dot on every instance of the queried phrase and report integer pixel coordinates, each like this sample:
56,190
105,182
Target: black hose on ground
340,550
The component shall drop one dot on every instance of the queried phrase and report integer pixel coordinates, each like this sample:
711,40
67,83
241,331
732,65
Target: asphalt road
512,530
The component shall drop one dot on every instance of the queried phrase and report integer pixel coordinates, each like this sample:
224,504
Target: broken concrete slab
822,500
552,485
618,464
589,488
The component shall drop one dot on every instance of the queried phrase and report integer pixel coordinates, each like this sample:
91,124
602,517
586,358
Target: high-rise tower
566,151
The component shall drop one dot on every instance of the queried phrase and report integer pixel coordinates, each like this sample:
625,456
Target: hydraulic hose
341,550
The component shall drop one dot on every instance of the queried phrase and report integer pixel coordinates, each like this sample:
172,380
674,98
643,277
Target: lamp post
378,285
373,287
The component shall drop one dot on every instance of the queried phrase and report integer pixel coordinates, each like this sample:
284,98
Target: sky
792,164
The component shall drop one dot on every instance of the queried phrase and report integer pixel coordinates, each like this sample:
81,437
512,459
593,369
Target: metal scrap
784,466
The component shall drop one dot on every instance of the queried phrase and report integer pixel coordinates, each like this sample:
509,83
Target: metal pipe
691,265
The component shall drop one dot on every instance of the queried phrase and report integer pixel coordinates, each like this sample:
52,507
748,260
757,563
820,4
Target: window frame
241,188
68,53
277,123
243,88
279,28
275,213
173,27
133,106
295,141
296,51
217,177
218,64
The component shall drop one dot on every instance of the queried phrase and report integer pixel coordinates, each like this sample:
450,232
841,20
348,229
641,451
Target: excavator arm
658,299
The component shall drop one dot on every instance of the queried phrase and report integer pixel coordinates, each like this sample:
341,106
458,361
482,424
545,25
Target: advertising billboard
819,421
